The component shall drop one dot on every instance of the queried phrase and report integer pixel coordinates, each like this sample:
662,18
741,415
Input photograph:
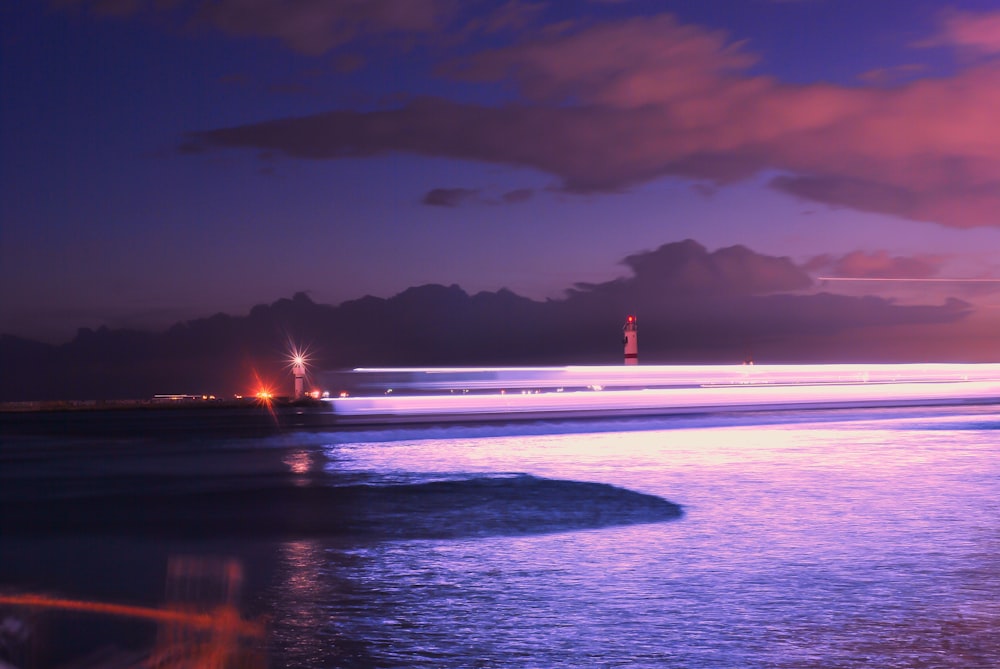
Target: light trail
526,393
222,618
905,279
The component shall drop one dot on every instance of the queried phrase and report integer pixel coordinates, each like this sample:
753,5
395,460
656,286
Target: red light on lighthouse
630,340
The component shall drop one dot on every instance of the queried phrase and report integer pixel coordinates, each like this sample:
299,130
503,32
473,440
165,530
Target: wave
443,509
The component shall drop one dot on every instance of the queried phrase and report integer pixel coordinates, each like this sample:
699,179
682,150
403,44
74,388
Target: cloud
309,26
890,75
448,197
316,26
688,268
607,106
692,305
973,32
623,64
453,197
877,265
570,142
511,15
734,302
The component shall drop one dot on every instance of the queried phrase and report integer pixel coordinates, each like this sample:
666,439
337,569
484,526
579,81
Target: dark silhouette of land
693,306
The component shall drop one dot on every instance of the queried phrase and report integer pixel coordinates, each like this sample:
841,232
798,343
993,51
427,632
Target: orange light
631,319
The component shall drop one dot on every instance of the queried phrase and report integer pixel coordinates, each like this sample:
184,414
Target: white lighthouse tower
631,341
299,372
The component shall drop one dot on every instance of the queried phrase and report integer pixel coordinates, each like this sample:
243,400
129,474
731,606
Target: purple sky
162,160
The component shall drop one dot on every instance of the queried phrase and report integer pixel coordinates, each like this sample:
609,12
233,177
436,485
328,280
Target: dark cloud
309,26
572,143
688,268
448,197
959,203
692,305
605,106
453,197
696,305
316,26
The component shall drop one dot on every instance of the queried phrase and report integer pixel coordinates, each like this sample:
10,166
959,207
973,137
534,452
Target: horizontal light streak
905,279
417,379
220,619
527,392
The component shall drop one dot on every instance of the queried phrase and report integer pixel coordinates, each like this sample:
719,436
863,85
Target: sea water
862,538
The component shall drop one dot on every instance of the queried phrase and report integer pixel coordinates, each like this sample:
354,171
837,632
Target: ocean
799,539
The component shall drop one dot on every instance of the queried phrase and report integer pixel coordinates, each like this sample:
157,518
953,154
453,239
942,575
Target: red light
631,319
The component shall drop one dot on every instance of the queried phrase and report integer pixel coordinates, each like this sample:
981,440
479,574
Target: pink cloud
977,32
626,64
889,75
878,264
608,106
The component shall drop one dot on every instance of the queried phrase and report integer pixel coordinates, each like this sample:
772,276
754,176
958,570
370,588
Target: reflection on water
808,540
200,624
866,541
301,620
299,463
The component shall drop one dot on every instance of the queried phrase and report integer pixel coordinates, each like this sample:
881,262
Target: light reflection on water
868,541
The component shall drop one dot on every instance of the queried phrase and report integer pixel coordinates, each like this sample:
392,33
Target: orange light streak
225,617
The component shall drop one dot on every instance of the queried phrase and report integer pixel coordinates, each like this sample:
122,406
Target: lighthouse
631,341
299,372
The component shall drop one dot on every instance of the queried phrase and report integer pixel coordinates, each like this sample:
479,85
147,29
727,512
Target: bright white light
298,357
664,389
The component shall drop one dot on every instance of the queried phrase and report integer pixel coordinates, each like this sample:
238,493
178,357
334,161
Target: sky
163,160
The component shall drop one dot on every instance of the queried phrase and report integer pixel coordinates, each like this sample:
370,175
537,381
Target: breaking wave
441,509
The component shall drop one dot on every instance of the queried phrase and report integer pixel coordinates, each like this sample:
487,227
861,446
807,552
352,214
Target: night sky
163,160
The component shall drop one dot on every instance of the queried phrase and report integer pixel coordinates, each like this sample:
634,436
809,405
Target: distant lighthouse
631,341
299,372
